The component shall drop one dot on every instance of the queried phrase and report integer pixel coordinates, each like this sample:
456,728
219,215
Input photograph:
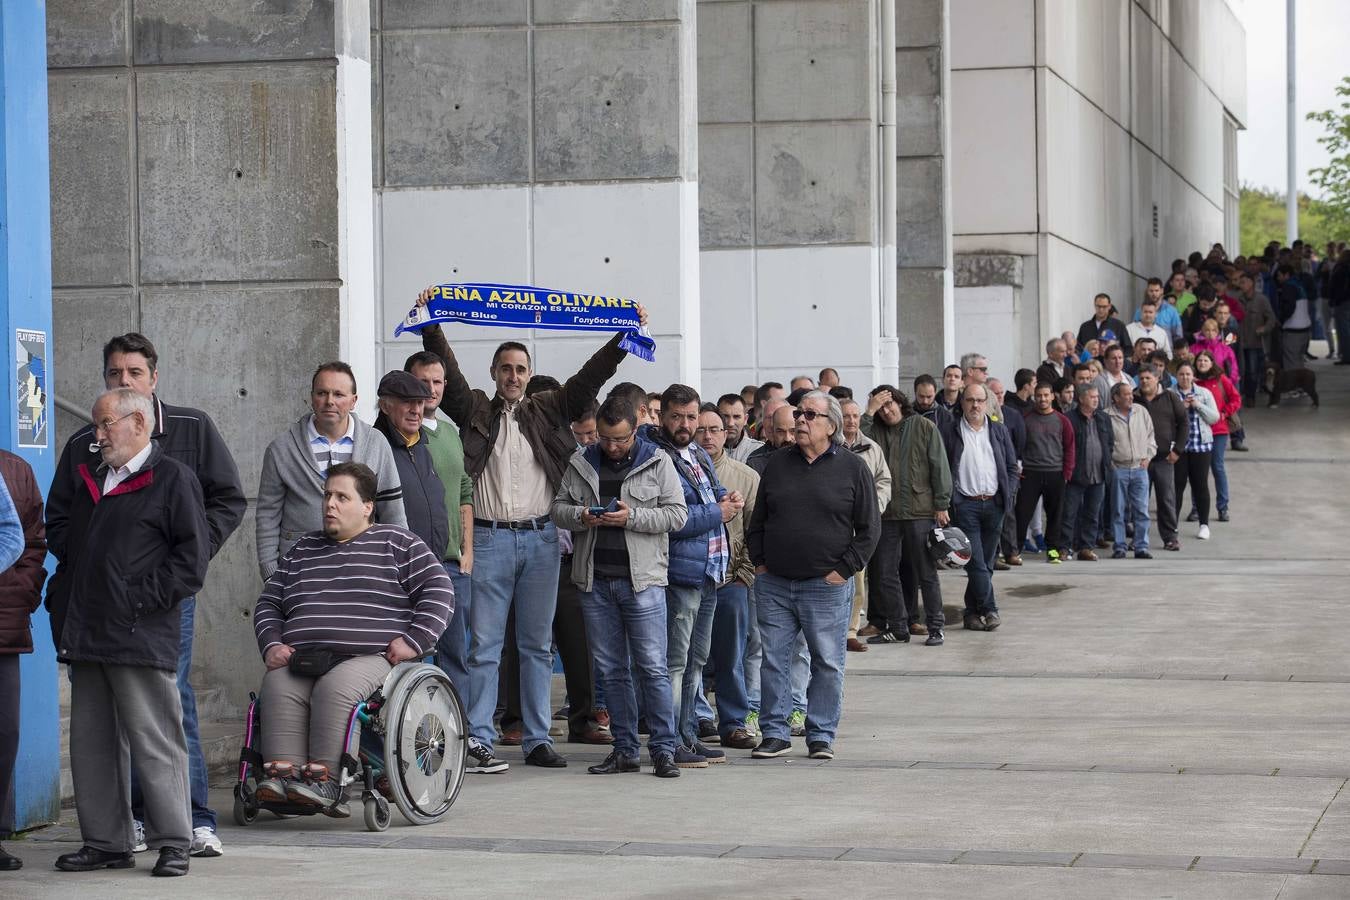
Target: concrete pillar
25,330
211,187
789,190
923,188
548,143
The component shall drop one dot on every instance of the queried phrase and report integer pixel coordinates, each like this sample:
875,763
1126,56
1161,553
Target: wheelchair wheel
245,809
378,813
425,744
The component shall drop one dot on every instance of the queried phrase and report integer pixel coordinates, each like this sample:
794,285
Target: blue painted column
25,333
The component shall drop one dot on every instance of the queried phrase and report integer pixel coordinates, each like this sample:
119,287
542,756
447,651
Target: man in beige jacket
1133,449
870,452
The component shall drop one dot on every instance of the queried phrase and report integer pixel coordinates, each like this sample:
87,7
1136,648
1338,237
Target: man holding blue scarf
516,449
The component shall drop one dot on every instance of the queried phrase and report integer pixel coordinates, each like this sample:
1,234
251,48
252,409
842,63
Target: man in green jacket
921,495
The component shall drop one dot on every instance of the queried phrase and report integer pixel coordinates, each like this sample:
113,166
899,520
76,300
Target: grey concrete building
784,183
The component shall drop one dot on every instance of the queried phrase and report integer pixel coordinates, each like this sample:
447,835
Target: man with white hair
802,575
1054,368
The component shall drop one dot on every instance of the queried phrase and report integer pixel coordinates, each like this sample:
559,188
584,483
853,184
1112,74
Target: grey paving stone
1016,858
1128,769
869,854
1265,864
1045,767
541,846
644,848
1296,772
1321,679
1224,770
1332,867
954,764
1132,861
749,851
448,842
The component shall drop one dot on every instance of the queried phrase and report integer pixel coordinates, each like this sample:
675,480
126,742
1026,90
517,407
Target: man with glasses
802,574
620,498
983,464
1103,327
189,436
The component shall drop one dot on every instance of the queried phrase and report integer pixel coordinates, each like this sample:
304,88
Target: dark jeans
918,563
1253,372
885,596
452,649
1047,486
569,636
981,520
730,625
9,738
1082,505
198,785
1162,476
1194,467
1341,315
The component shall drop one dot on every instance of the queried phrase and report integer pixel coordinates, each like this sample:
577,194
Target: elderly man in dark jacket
1171,427
135,542
1092,439
22,550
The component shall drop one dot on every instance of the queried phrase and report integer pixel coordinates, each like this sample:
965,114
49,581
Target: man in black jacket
133,543
1103,327
402,399
1171,427
190,437
1092,439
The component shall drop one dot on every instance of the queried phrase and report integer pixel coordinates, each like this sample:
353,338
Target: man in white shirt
1148,327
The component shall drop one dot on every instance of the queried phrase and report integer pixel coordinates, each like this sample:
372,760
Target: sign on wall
31,403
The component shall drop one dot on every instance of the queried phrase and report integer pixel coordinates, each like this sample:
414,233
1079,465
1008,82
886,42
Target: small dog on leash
1283,381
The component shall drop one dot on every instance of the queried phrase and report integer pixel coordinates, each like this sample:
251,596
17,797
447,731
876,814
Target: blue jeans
520,569
801,670
981,520
820,612
1130,487
452,649
1220,473
203,816
728,653
623,626
754,652
1253,372
689,623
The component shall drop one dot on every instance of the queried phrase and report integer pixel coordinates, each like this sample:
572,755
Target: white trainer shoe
1203,534
205,842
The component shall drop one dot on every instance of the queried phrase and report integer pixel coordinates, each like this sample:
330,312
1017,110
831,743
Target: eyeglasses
979,368
710,430
107,425
809,415
973,400
616,441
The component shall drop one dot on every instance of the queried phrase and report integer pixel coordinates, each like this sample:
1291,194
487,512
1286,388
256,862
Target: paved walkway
1179,728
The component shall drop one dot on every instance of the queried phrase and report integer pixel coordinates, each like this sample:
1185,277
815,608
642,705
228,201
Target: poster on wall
31,404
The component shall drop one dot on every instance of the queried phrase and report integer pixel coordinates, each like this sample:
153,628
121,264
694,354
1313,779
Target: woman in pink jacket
1209,341
1227,398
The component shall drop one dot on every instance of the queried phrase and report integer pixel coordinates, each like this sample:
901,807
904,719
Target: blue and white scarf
519,306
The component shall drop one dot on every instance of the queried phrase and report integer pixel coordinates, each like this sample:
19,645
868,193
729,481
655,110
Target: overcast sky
1322,30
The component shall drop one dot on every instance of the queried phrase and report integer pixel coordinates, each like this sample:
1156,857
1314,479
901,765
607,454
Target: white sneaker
205,842
138,844
1203,533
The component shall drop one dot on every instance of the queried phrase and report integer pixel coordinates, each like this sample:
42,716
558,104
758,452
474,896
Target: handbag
312,662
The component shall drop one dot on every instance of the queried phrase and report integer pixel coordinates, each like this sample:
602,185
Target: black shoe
663,766
687,759
9,863
1118,554
771,747
712,756
890,636
172,861
972,622
1239,447
934,638
87,859
707,731
545,757
820,750
991,621
482,762
1223,515
1142,554
616,763
1193,516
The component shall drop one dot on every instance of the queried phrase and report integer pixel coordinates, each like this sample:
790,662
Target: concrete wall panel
1149,94
86,33
81,324
994,151
238,174
607,103
551,12
440,14
90,178
188,31
725,63
816,306
812,184
921,213
813,60
726,279
226,664
252,381
918,24
725,189
919,295
992,35
1074,277
456,108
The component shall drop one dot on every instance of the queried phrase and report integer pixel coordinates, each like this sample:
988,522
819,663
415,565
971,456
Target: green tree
1261,220
1333,179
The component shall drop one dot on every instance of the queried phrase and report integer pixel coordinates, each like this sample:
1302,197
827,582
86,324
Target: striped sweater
355,597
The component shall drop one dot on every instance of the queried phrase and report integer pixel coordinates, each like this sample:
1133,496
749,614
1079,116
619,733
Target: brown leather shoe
740,739
868,630
1000,565
595,735
1103,544
1015,560
856,646
916,628
1086,555
512,737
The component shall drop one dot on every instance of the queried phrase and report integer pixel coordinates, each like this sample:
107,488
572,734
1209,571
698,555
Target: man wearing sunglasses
802,574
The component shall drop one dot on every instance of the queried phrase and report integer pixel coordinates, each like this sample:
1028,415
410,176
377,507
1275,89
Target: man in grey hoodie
290,492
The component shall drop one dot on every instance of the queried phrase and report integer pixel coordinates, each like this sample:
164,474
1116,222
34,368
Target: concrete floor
1176,728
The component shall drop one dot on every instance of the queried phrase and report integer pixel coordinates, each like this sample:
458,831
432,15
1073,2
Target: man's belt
979,496
535,524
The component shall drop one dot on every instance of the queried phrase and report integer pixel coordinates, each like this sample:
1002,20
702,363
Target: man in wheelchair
343,607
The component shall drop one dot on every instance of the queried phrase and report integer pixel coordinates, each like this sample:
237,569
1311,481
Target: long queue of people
666,547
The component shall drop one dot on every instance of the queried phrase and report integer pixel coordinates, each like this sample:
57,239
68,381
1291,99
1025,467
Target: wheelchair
412,749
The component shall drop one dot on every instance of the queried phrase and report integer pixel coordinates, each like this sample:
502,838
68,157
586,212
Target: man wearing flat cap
402,402
290,492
